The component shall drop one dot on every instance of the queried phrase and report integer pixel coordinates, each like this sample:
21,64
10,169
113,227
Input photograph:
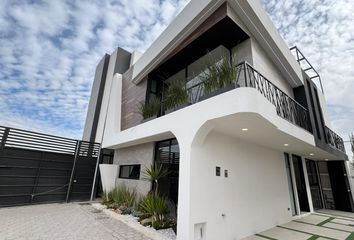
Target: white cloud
49,51
324,32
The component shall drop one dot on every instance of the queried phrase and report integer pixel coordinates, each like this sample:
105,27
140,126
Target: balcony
217,81
334,140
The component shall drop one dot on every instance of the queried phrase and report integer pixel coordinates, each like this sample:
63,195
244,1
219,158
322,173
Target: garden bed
131,221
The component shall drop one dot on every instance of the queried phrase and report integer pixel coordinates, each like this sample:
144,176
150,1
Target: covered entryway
329,185
39,168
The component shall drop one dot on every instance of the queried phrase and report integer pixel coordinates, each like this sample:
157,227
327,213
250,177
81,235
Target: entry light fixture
244,129
286,144
326,159
312,154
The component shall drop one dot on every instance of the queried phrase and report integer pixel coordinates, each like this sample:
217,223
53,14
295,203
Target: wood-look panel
132,94
218,15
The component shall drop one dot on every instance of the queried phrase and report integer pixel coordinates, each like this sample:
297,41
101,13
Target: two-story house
221,100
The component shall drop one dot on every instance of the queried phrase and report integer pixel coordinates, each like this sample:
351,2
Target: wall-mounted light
218,171
312,154
244,129
286,144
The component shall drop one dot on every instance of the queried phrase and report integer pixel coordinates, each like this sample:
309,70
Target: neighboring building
245,157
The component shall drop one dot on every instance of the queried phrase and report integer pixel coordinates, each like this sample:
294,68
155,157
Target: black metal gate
39,168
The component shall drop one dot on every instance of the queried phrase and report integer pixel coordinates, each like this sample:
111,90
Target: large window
129,171
190,75
167,154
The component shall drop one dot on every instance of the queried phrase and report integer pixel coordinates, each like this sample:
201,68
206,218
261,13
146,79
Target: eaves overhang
252,15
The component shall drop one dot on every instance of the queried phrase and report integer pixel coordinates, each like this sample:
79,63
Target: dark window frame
129,177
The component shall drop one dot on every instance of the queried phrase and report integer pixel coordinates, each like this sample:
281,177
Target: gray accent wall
142,154
117,62
95,99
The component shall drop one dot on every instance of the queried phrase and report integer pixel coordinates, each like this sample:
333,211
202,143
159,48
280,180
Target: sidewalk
62,222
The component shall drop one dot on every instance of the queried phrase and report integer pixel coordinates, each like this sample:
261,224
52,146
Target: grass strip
313,237
262,236
305,232
350,237
299,221
325,221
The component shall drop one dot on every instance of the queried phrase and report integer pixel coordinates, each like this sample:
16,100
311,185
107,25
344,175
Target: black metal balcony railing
286,107
247,76
334,139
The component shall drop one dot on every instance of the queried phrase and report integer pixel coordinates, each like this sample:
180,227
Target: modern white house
245,154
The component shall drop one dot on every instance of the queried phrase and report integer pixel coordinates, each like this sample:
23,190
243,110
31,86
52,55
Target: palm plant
176,94
154,173
219,74
151,108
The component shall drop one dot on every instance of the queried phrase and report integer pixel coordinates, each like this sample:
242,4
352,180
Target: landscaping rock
146,221
169,233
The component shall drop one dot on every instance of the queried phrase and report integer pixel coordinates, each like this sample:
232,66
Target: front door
340,186
315,189
300,184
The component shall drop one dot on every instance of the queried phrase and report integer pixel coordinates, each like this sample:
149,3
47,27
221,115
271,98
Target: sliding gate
39,168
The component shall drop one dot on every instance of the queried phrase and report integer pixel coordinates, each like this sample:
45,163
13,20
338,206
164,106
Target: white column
183,209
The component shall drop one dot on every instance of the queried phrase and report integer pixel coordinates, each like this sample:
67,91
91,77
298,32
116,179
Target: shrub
151,108
125,210
156,207
107,198
120,196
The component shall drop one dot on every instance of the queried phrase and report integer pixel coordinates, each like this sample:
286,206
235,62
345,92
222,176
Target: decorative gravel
168,233
131,221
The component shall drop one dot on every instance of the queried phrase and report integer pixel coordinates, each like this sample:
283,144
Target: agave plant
156,207
151,108
154,173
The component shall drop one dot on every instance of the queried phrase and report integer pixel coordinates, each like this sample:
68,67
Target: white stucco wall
254,197
243,52
263,63
140,154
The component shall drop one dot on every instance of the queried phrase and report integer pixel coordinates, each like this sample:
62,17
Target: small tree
154,173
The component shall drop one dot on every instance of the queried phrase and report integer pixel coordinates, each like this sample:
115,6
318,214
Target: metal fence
334,140
41,168
247,76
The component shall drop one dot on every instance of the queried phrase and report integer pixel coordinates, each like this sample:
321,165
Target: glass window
290,184
129,171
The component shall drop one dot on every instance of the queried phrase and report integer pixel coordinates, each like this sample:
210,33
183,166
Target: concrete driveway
62,222
316,226
83,222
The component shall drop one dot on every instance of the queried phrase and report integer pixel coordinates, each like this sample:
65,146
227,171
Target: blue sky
49,50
